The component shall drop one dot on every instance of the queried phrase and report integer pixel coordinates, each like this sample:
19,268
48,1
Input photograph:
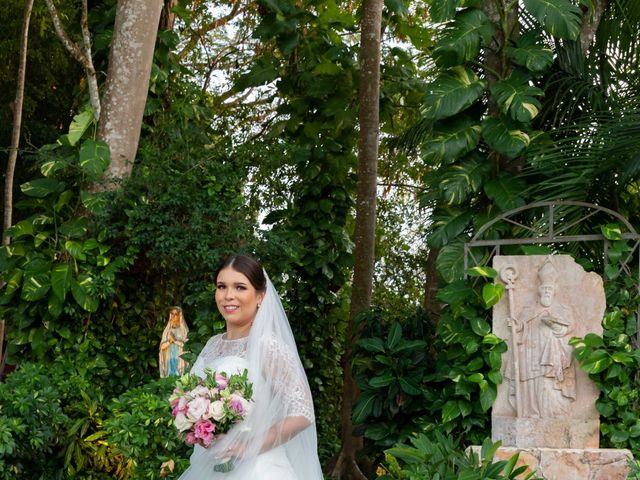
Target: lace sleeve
288,380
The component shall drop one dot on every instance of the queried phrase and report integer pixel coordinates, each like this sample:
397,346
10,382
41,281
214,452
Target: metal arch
551,206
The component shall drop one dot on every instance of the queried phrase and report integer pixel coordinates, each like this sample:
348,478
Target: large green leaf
488,394
54,306
462,38
80,289
35,287
491,294
23,227
458,181
363,407
394,337
41,187
561,18
456,293
75,249
74,228
450,139
94,158
61,275
531,53
14,281
382,380
95,202
453,91
443,10
450,411
450,261
63,199
503,138
505,191
515,97
446,227
78,126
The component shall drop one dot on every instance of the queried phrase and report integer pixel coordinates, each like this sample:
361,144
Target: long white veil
280,390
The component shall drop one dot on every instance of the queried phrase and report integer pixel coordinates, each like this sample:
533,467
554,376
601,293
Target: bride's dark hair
247,266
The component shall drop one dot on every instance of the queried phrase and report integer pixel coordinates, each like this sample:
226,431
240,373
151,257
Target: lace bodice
279,369
217,347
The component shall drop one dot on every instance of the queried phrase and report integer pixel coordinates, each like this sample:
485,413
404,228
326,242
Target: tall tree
127,84
365,223
15,134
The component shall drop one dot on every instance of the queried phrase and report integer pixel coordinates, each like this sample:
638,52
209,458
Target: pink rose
203,427
204,430
191,438
238,404
206,441
222,381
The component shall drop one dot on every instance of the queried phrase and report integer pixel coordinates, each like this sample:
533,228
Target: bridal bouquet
204,407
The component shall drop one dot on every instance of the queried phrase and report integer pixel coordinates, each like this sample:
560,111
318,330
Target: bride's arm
290,388
283,431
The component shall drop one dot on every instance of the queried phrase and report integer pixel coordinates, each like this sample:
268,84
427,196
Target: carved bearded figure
545,358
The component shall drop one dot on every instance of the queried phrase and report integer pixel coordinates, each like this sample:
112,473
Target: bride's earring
258,307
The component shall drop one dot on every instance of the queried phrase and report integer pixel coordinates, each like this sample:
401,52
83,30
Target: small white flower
197,408
216,410
182,423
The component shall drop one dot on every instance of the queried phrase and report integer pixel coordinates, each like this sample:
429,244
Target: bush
48,425
141,429
435,456
56,424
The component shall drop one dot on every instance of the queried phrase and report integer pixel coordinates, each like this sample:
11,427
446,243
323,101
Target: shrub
435,456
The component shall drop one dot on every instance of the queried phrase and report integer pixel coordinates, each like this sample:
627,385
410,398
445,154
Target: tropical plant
435,456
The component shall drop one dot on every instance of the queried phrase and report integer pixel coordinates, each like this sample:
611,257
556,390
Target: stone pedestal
569,463
546,432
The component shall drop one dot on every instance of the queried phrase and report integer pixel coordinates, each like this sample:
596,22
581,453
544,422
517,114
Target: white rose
182,423
197,408
216,410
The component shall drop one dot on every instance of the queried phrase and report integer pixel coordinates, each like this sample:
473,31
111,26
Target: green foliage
447,378
141,430
469,358
390,371
437,457
49,421
612,360
55,423
58,267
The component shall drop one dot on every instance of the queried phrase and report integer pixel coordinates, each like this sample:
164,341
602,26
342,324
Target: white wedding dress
291,460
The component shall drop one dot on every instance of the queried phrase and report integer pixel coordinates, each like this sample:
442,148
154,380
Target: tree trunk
167,17
430,302
346,467
590,24
15,133
127,85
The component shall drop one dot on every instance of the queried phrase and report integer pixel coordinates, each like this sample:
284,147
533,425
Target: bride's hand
235,450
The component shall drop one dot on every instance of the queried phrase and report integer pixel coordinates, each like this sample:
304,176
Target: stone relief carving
541,373
545,399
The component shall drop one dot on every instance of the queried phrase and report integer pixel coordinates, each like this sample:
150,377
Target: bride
277,439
